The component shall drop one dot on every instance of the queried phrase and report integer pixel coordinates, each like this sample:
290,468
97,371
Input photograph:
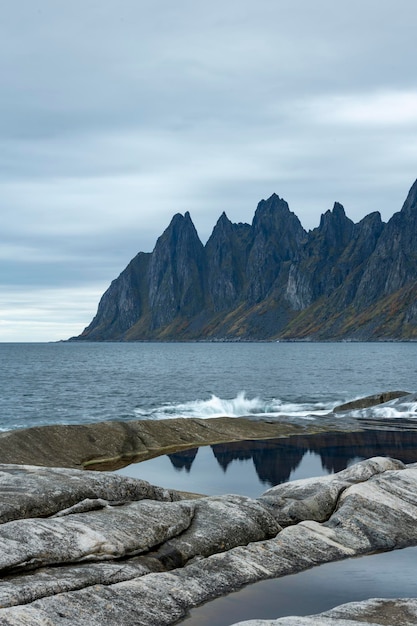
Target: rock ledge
92,548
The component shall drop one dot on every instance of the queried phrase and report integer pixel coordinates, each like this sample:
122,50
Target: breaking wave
404,407
275,408
240,406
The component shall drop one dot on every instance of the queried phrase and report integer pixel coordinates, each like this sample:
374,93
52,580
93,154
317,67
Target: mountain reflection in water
250,467
275,460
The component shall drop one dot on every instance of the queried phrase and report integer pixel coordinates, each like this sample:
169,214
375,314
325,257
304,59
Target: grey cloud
116,115
88,66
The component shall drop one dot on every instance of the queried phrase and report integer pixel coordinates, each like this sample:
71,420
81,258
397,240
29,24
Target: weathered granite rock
148,561
23,588
97,530
219,524
110,533
315,498
29,491
374,612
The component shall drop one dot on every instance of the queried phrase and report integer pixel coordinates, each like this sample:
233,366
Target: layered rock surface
374,612
86,548
270,280
110,445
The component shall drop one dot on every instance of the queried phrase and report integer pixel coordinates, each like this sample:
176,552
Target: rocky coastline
90,547
378,611
81,547
112,445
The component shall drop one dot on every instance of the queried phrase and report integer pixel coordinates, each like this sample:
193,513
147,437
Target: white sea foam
274,408
240,406
405,408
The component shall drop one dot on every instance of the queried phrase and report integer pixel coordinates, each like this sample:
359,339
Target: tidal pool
386,575
251,467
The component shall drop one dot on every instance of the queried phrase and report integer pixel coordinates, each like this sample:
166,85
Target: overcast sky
117,114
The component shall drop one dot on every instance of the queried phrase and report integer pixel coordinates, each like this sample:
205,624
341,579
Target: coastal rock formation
270,280
112,445
136,554
29,491
368,613
370,401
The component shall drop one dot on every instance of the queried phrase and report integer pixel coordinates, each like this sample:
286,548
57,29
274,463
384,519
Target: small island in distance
270,280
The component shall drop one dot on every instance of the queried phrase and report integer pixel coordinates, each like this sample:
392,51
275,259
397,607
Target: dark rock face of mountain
277,235
176,274
226,254
124,302
270,280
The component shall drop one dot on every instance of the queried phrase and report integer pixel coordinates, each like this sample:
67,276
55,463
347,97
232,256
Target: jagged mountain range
270,280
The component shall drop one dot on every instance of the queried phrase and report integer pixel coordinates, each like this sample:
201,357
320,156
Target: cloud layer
116,115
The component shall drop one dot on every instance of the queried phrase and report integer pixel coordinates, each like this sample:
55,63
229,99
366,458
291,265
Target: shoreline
100,548
115,444
95,548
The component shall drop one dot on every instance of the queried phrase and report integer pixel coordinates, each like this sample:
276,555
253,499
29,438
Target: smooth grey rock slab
32,491
111,445
167,533
230,541
374,612
315,498
369,401
219,524
48,581
110,533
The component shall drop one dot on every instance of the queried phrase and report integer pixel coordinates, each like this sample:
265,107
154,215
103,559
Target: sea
85,382
82,382
300,382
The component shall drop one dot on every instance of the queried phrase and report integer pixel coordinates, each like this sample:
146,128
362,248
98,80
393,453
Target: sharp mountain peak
270,280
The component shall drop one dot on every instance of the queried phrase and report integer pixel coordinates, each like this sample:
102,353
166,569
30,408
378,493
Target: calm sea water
75,383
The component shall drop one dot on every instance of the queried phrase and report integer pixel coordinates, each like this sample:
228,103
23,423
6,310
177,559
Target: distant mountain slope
270,280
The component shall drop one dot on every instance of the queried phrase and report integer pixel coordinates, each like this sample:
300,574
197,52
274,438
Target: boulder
369,401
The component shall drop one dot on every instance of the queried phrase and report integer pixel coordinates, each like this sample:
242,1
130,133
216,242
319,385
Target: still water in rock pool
388,575
251,467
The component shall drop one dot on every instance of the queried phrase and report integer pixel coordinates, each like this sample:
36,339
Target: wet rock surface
369,401
93,548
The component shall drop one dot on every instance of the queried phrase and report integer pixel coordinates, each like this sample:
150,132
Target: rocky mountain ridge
270,280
